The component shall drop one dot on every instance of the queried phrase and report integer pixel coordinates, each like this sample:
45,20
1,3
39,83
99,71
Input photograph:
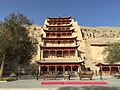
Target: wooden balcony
59,45
58,38
60,60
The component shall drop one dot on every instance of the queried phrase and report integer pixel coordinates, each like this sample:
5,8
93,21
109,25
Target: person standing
37,73
100,73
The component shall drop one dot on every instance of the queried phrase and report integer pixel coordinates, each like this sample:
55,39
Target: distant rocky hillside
100,32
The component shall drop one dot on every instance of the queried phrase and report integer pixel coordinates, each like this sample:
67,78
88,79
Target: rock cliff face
96,39
36,31
91,40
101,32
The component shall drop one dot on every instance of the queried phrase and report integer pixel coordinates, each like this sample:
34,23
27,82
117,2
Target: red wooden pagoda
59,48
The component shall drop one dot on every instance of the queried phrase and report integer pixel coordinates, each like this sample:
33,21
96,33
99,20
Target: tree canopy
112,52
15,43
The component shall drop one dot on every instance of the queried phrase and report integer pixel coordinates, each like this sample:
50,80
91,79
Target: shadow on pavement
90,88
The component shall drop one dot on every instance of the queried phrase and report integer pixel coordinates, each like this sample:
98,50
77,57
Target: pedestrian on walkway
37,73
100,73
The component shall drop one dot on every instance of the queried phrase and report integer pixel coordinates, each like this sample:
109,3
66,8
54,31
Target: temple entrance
44,69
52,69
67,68
75,68
60,70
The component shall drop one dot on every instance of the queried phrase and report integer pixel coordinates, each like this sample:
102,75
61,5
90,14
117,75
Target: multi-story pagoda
59,47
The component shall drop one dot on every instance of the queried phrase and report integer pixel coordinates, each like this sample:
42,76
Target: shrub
7,79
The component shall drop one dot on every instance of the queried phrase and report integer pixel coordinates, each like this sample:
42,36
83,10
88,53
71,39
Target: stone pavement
113,84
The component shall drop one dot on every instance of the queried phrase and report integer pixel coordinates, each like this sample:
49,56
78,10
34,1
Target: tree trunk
2,66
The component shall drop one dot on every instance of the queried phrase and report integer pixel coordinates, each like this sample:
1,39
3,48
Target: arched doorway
75,68
67,68
44,69
52,69
60,70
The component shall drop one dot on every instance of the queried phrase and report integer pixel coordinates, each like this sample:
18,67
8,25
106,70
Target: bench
50,76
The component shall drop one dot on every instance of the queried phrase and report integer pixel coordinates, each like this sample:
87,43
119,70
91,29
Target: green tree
15,43
112,52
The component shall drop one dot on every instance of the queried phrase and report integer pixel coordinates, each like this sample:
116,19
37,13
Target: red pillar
55,68
62,43
119,68
63,68
62,54
69,53
48,69
71,68
39,69
110,70
79,68
55,53
49,54
101,69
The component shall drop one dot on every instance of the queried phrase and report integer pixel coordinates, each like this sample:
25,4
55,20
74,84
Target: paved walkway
113,84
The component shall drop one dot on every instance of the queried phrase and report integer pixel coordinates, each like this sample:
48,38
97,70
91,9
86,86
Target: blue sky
85,12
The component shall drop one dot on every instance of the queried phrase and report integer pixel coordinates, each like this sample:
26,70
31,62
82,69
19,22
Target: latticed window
59,53
45,54
67,28
72,54
65,53
63,34
53,34
69,34
58,35
52,54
